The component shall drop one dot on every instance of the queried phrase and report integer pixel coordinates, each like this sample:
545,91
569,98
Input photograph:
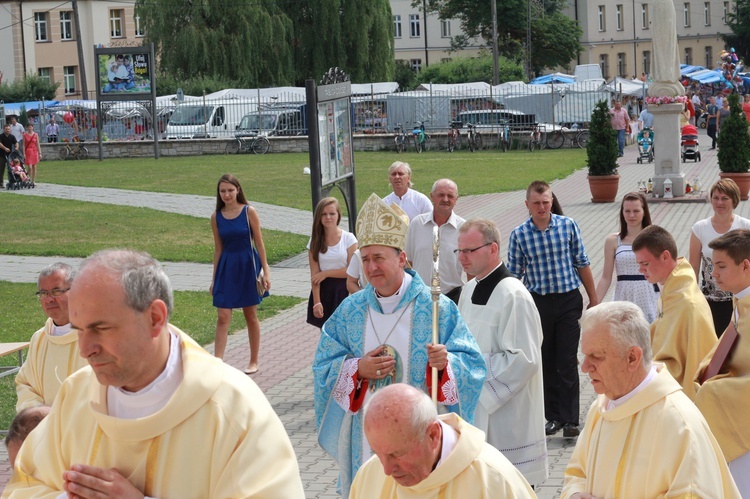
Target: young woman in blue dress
236,265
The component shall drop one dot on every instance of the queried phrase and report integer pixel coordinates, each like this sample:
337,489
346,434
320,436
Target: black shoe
570,430
552,427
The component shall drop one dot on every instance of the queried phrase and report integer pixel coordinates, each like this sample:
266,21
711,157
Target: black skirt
332,292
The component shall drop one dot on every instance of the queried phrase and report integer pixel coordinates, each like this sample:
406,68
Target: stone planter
603,188
742,180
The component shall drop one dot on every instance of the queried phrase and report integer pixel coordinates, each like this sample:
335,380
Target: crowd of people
407,406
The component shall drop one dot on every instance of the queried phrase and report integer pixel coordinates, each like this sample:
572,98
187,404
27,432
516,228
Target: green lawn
92,226
21,315
278,178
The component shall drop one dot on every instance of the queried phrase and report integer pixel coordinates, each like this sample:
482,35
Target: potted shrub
734,147
601,156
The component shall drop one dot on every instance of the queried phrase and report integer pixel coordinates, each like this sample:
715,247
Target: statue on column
666,70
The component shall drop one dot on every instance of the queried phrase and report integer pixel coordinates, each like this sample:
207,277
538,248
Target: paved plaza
288,343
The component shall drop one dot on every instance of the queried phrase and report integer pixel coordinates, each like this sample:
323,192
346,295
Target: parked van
277,122
490,119
196,120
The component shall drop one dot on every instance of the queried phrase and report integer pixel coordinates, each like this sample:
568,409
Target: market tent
14,109
553,78
456,89
707,76
627,87
686,69
387,87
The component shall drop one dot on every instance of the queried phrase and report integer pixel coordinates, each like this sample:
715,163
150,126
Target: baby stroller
645,141
689,143
17,179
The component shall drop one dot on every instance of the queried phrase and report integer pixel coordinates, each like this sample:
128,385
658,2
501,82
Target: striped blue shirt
547,260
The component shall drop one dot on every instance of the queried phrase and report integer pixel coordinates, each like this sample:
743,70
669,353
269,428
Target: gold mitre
381,224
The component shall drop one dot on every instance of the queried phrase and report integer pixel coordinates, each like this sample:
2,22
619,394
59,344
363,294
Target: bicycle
77,152
475,138
258,144
556,140
421,139
400,138
504,136
538,138
454,136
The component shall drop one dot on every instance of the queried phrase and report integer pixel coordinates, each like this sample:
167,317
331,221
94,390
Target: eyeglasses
469,250
43,293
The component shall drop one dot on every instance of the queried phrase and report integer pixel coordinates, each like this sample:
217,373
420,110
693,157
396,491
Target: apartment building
44,39
617,33
424,40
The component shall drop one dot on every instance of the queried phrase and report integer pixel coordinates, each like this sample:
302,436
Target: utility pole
424,25
79,44
495,69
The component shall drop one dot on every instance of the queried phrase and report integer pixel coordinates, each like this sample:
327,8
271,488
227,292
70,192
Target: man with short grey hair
155,414
443,195
642,427
413,202
53,350
422,455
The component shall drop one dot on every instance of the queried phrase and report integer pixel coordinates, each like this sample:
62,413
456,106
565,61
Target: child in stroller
645,141
18,177
689,143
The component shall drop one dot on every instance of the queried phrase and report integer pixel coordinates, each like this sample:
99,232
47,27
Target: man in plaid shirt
547,252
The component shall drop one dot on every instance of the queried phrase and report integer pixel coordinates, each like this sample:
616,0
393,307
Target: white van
196,120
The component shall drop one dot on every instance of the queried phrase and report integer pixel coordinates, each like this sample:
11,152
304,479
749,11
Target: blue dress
234,282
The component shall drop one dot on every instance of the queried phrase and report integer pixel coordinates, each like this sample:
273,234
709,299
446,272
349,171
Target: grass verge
194,314
278,178
94,226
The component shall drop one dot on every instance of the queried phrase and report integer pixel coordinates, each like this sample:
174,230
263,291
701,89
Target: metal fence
283,112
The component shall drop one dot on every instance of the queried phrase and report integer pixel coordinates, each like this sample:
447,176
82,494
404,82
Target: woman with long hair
724,196
330,250
32,151
619,257
236,265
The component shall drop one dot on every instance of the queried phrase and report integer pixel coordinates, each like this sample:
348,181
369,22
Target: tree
405,76
30,88
733,140
246,41
601,150
354,35
467,69
555,36
739,22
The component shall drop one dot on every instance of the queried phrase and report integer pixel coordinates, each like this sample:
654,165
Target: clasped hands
375,365
88,482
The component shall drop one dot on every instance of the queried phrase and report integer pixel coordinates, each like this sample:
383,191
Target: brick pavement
288,343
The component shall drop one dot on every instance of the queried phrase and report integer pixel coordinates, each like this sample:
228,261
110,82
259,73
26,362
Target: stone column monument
666,72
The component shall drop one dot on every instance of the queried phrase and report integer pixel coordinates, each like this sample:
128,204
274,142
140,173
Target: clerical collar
450,439
745,292
389,303
151,399
641,386
480,279
486,286
60,330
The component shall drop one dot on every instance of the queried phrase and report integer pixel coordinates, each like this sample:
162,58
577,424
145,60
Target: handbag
260,287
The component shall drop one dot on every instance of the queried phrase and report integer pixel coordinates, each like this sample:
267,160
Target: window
707,13
709,57
40,26
138,27
445,28
414,25
69,79
66,25
604,63
45,73
726,11
689,56
644,16
647,61
115,23
686,14
622,68
602,18
416,64
619,18
397,26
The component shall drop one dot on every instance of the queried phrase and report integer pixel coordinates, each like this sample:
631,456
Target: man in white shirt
53,130
155,414
16,129
413,202
443,195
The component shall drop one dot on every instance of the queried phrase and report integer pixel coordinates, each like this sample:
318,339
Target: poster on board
124,73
